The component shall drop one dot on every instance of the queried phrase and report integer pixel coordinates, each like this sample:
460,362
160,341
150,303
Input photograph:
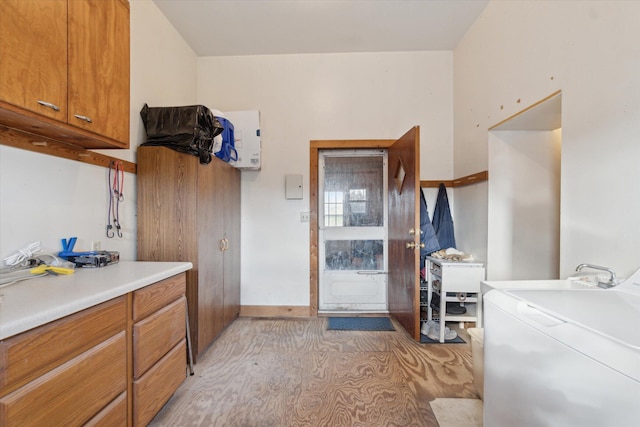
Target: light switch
293,186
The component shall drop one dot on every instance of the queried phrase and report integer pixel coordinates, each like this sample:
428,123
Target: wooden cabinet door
168,229
99,67
232,253
33,54
188,211
211,190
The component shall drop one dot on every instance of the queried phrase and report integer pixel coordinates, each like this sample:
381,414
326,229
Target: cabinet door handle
226,244
221,245
85,118
50,105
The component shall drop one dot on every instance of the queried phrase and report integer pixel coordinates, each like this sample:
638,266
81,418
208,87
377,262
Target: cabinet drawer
31,354
72,393
157,385
154,297
462,279
154,336
114,414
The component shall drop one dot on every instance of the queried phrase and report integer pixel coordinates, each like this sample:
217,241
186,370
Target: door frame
314,147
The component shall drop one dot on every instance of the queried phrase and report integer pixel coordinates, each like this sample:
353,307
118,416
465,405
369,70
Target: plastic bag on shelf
188,129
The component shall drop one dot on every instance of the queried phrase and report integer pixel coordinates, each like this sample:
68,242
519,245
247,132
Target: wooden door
404,231
99,67
232,250
33,52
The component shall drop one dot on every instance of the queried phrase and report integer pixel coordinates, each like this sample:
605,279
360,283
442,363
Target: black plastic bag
189,129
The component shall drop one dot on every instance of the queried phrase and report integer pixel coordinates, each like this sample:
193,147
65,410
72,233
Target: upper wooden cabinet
65,70
33,49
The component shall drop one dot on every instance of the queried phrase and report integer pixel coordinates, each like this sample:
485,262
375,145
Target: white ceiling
262,27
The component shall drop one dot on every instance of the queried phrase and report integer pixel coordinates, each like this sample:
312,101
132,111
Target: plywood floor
294,372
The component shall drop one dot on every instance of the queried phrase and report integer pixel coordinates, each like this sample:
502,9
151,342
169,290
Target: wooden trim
314,278
526,109
274,311
350,143
43,145
460,182
314,147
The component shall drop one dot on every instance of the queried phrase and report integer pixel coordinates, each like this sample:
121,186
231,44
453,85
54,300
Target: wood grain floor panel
294,372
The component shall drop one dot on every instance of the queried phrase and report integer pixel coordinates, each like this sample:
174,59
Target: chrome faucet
613,281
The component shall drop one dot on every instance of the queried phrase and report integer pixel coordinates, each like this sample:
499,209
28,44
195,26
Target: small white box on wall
293,186
248,144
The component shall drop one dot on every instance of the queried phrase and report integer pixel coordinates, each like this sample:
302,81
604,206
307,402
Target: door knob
413,245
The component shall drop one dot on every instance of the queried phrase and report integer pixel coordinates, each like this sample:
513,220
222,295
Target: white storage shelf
449,279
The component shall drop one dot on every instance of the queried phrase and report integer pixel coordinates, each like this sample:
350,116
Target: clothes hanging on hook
428,234
442,220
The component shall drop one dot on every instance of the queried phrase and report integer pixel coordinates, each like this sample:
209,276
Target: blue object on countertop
67,249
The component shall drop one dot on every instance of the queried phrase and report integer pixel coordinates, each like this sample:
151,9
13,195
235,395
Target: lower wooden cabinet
72,393
114,414
156,386
114,364
159,346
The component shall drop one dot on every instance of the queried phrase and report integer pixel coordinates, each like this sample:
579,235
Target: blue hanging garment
442,221
428,235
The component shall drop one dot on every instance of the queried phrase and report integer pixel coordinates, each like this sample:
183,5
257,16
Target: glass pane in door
353,192
354,254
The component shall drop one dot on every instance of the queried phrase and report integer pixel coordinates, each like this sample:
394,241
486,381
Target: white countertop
31,303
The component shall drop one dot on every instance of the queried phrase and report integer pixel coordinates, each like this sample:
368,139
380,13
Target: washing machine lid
488,285
608,312
600,323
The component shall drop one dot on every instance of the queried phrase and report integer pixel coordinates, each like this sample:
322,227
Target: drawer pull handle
48,104
85,118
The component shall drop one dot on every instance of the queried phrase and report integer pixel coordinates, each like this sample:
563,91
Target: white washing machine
563,357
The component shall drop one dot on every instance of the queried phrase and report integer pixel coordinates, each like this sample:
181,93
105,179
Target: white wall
45,198
518,53
524,205
309,97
